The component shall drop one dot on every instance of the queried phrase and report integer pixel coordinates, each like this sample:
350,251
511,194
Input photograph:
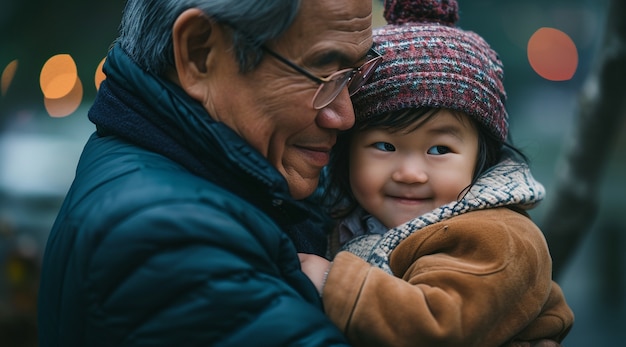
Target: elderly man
212,128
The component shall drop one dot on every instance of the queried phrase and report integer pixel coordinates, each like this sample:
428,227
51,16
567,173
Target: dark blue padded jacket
175,232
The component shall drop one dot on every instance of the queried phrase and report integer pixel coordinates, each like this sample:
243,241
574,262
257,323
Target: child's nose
410,172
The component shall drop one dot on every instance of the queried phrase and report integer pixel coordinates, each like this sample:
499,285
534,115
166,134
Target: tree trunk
602,109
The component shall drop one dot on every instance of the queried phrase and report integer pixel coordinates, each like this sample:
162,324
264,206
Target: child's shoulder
496,213
502,223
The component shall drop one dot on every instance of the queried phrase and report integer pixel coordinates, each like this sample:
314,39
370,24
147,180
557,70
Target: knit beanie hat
428,61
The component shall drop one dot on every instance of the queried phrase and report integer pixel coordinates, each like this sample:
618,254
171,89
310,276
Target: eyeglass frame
322,81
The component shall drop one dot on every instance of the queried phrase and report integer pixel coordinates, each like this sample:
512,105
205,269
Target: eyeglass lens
328,91
355,79
362,75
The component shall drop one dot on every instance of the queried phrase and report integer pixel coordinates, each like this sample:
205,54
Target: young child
436,248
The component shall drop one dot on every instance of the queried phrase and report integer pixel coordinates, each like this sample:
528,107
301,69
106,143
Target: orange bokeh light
58,76
100,76
61,107
61,87
552,54
7,76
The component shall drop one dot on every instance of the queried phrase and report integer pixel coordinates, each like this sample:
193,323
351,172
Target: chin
301,194
303,189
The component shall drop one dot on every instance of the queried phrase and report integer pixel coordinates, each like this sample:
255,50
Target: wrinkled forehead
332,22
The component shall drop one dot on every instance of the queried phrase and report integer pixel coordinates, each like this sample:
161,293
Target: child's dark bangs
401,120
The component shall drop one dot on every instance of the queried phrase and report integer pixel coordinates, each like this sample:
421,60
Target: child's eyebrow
453,130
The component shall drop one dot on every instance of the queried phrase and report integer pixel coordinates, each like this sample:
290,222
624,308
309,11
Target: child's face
397,176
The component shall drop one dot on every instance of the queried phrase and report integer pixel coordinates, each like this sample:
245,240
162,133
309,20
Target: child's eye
384,146
438,150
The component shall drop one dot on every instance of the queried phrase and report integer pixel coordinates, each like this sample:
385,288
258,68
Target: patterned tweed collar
506,184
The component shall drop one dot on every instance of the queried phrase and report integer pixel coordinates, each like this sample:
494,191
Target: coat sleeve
475,280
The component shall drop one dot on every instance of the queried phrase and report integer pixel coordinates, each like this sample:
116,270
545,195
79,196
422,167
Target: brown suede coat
483,278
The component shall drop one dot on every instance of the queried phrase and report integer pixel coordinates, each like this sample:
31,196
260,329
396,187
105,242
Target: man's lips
318,156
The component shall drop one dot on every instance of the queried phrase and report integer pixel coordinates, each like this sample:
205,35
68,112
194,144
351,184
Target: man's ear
193,37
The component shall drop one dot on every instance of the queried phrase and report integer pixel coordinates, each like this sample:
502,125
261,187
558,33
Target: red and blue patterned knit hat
428,61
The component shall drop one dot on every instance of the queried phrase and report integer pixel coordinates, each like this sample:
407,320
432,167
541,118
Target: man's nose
339,114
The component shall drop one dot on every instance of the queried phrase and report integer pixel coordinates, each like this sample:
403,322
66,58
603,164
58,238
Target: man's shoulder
111,157
115,179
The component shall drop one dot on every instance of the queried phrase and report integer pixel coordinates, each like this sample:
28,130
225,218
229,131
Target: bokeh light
7,76
100,76
66,105
552,54
61,87
58,76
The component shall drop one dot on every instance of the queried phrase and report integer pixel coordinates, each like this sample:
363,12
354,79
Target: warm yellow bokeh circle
58,76
100,76
7,76
61,87
66,105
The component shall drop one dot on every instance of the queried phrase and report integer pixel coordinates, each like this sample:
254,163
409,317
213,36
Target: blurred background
50,58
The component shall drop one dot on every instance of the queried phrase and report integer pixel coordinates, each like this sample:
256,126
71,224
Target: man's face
271,107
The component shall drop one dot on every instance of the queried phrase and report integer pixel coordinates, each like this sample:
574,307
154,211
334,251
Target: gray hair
146,27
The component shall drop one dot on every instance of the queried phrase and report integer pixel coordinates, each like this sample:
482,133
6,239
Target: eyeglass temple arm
293,66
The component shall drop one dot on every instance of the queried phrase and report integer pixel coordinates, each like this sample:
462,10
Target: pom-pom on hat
428,61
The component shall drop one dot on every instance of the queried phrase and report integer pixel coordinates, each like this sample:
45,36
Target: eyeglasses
331,86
